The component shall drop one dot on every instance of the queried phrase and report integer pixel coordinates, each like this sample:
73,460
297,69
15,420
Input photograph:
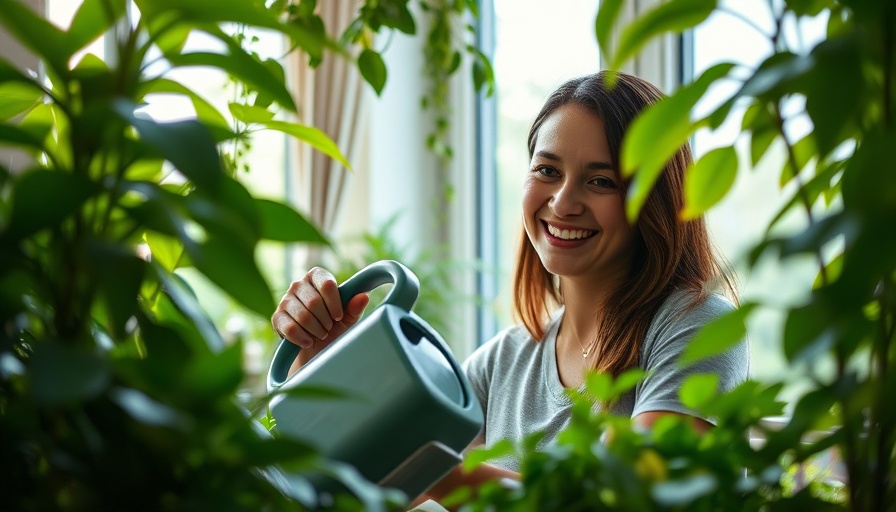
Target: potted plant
116,390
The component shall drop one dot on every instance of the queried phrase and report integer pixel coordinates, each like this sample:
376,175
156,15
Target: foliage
437,291
116,390
842,182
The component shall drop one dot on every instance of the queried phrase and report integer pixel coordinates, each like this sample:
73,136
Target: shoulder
506,343
686,308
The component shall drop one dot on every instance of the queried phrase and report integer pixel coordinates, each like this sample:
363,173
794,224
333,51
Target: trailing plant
841,180
116,389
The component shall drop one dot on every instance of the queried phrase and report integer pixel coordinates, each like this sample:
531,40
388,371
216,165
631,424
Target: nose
567,200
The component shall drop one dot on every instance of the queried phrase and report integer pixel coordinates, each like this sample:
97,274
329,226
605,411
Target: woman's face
573,211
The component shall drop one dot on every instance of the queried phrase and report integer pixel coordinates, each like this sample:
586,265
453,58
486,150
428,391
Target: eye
604,182
546,171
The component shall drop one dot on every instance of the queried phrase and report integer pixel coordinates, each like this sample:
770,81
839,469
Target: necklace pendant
584,355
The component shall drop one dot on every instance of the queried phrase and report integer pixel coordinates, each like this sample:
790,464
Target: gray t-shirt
518,384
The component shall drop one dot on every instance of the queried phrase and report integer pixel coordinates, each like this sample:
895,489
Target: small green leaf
316,138
373,69
683,491
218,259
205,112
658,134
215,375
147,411
708,181
61,374
600,386
282,223
250,113
671,16
760,141
718,336
477,456
188,145
43,199
626,381
607,16
188,305
117,275
698,389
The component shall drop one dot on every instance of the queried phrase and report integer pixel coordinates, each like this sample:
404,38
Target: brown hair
670,254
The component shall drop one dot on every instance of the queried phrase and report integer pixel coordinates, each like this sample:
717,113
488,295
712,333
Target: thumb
355,307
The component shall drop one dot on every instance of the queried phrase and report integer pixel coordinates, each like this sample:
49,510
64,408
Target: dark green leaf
708,181
808,7
37,33
188,145
188,305
834,89
232,267
658,134
477,456
681,492
11,135
282,223
483,74
217,375
718,335
803,152
242,66
806,335
62,374
776,75
148,411
118,276
231,213
671,16
43,199
373,69
93,19
316,138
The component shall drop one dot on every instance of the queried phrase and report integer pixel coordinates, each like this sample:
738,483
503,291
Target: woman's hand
311,315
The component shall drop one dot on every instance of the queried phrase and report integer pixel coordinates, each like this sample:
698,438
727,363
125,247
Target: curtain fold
331,99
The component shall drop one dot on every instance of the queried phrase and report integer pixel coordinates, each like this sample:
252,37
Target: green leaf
698,389
62,374
242,66
43,199
17,98
657,134
11,135
683,491
188,305
38,34
607,16
600,386
718,336
250,113
834,90
205,111
776,75
147,411
166,251
316,138
188,145
232,267
708,181
214,376
626,381
803,152
93,19
671,16
373,69
284,224
477,456
483,74
760,141
118,275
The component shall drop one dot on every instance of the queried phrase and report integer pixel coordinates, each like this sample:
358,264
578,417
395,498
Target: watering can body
404,409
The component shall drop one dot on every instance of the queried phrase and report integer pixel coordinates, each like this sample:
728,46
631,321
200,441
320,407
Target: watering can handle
403,294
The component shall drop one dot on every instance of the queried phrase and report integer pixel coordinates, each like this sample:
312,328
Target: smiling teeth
569,234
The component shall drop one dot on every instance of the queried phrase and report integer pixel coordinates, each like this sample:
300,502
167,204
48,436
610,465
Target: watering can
408,409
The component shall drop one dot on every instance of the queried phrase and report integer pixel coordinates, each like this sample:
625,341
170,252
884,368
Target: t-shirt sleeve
667,339
478,369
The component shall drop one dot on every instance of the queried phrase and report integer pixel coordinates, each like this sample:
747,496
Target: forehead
573,129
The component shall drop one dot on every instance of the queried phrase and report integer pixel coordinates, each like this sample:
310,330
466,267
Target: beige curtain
331,98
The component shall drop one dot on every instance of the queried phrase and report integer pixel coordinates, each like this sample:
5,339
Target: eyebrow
591,165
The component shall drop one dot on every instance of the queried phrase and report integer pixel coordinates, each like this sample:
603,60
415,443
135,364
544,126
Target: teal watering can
408,409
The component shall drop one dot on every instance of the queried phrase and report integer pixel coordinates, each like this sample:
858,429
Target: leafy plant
841,179
116,390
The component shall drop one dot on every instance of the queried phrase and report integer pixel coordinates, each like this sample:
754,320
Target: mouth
569,234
